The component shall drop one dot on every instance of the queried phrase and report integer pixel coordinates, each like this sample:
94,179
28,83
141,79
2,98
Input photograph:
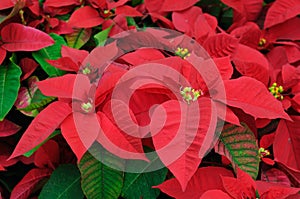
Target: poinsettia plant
149,99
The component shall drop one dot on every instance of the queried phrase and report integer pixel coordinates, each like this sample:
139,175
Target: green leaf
38,100
99,180
64,183
239,145
9,87
131,22
136,2
29,153
139,185
78,38
102,36
51,52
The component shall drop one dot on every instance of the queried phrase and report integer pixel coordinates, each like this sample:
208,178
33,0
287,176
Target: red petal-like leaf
287,143
28,66
60,3
24,188
206,178
173,5
42,126
267,140
184,21
142,56
279,192
242,187
47,156
85,17
249,9
185,135
8,128
115,4
128,11
17,37
250,62
69,131
58,86
253,98
225,67
4,4
221,45
215,194
115,140
2,54
275,176
280,11
76,55
64,63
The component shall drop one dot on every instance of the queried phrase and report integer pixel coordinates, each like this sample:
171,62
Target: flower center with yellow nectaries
86,70
263,152
87,107
182,52
190,94
276,91
262,42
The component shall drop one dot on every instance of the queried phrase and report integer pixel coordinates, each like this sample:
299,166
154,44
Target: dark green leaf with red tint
239,145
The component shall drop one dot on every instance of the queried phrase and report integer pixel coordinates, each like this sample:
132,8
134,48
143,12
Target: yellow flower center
190,94
276,91
182,52
86,71
263,152
87,107
262,42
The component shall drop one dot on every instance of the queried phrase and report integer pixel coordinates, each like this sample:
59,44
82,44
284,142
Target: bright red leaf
287,143
85,17
128,11
272,191
58,86
241,187
60,3
185,136
17,37
221,45
249,9
69,132
4,4
215,194
250,62
46,121
206,178
253,98
281,11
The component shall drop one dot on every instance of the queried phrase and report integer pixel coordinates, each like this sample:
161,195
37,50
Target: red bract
24,188
280,11
205,179
286,144
85,17
8,128
249,10
42,123
16,37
